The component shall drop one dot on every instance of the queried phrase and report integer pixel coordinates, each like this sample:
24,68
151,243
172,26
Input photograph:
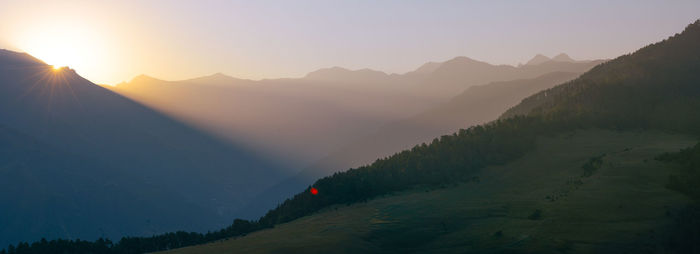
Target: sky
113,41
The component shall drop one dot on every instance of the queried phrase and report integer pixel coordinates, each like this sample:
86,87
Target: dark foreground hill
79,161
539,203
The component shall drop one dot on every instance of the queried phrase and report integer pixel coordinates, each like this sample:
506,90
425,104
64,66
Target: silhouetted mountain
563,58
538,59
427,68
220,79
458,74
79,161
278,116
342,75
339,96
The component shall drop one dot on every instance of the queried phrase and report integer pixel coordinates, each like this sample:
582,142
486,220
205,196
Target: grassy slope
622,206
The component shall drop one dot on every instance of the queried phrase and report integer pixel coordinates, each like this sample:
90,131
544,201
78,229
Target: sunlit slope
328,109
620,206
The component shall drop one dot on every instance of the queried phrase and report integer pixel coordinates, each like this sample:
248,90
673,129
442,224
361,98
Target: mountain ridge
90,136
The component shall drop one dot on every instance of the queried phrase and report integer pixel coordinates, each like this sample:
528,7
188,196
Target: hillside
655,87
73,155
623,205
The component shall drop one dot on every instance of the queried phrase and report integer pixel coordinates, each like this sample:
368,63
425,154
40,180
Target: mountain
454,76
426,69
324,111
538,59
215,79
278,116
577,168
339,74
563,58
80,161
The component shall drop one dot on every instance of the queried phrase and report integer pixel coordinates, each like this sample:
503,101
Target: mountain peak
427,68
327,71
464,59
217,78
220,75
340,73
563,58
538,59
143,78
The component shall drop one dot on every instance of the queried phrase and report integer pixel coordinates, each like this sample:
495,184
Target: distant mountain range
276,117
80,161
325,110
335,114
539,59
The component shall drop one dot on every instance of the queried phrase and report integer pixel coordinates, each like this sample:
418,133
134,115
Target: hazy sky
113,41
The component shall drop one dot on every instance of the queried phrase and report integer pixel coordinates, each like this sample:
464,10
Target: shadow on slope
109,166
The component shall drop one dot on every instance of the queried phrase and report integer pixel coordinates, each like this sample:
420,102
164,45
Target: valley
349,127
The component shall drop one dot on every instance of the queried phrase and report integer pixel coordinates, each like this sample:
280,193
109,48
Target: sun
67,44
64,49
